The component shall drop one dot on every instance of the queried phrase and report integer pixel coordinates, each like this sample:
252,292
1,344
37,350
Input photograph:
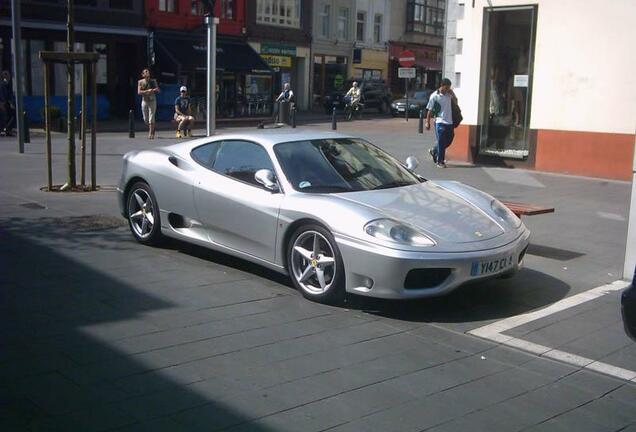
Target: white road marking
494,332
611,216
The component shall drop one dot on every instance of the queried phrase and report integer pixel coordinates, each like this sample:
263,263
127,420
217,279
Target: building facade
537,96
417,26
113,28
332,46
280,31
178,56
370,59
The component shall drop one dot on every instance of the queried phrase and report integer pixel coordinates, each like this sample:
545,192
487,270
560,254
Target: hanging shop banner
277,61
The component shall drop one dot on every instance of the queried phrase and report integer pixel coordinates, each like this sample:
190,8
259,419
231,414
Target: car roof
266,137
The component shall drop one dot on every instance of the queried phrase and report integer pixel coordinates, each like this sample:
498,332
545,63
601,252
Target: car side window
206,154
241,160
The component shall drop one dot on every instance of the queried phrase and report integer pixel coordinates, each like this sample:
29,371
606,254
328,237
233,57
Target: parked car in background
628,306
375,95
417,101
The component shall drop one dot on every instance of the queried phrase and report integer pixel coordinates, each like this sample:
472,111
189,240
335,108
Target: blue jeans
445,134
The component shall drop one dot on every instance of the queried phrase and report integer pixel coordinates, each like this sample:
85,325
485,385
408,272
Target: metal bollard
293,118
420,128
334,125
131,124
27,134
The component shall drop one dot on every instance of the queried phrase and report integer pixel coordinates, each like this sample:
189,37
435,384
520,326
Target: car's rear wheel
143,214
315,264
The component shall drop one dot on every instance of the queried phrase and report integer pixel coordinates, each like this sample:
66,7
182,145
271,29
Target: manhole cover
33,206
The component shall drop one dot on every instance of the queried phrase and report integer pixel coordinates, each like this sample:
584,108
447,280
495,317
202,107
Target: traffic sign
406,72
407,59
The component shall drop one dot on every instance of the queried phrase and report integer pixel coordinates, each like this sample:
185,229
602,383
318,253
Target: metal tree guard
89,64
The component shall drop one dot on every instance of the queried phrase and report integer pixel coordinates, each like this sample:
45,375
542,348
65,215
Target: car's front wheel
143,214
315,264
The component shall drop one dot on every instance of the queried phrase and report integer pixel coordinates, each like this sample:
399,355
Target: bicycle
352,110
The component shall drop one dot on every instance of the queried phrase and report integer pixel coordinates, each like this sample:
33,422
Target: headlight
504,213
395,232
413,106
394,105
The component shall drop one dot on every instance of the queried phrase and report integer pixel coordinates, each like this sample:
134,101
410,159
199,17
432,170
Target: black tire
332,288
142,213
348,113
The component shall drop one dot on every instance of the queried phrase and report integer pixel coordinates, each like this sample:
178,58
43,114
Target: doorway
506,81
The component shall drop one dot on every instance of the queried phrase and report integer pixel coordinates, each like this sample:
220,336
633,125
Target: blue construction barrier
34,106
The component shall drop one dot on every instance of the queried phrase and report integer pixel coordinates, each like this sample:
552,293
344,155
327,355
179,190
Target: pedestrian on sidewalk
440,107
286,96
183,113
148,88
7,103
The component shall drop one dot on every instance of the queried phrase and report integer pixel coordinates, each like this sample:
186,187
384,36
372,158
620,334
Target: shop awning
191,54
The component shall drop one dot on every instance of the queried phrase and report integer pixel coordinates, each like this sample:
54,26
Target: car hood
439,212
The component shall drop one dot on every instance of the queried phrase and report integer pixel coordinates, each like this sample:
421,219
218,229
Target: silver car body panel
234,217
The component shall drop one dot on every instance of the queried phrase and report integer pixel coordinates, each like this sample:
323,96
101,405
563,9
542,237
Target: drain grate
33,206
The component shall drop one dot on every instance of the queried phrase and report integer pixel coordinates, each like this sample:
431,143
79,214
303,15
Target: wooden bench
521,209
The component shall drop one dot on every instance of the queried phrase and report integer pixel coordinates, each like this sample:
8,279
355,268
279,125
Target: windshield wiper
392,185
326,188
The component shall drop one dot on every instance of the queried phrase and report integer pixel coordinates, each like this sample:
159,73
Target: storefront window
102,63
37,68
258,94
507,82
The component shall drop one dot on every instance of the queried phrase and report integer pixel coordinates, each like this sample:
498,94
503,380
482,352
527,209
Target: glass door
506,85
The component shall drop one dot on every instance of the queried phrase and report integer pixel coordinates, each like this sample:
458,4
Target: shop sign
406,72
276,49
521,81
277,61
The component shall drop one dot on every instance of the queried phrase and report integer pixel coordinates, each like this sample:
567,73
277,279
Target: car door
237,211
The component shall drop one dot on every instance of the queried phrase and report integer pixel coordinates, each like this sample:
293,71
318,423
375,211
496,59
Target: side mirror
411,163
266,178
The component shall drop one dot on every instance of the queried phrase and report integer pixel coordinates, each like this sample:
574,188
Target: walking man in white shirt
439,107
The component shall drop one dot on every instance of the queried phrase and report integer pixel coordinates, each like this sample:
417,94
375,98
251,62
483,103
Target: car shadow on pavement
479,301
67,309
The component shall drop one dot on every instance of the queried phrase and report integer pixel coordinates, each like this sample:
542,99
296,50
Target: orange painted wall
592,154
460,149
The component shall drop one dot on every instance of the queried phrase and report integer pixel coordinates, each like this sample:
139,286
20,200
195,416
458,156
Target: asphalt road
98,332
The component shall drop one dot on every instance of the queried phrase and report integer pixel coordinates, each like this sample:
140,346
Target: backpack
456,113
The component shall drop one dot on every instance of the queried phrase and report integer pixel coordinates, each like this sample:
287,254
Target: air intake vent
426,278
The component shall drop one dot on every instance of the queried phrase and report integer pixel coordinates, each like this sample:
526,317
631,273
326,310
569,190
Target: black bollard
420,128
293,118
334,125
131,124
27,134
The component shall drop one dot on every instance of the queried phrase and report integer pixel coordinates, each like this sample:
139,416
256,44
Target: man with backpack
440,106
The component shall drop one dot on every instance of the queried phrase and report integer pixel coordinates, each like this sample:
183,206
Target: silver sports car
333,211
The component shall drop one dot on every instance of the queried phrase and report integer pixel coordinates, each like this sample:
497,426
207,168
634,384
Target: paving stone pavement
98,332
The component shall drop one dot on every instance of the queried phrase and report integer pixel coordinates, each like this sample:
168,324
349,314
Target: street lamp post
211,21
17,72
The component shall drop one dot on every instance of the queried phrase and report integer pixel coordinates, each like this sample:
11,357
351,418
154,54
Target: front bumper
386,269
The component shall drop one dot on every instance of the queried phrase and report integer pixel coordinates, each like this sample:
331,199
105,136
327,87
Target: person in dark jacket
7,103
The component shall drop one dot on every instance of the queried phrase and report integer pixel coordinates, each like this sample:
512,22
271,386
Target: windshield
340,165
423,94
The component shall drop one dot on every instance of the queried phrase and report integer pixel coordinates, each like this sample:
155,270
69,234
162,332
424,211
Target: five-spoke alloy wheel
143,214
315,265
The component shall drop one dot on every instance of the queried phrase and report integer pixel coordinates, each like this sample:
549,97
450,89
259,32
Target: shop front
330,73
428,66
289,65
244,81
